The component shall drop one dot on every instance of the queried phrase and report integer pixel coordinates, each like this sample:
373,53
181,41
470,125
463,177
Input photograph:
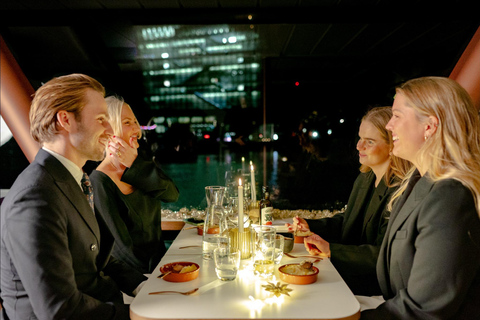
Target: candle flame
251,167
240,181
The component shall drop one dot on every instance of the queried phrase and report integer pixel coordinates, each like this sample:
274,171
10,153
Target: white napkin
369,302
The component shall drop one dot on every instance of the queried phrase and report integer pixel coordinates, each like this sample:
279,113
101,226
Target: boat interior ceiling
332,54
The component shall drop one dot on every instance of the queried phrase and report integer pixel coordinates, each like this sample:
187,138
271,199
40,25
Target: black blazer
356,235
55,253
429,263
135,219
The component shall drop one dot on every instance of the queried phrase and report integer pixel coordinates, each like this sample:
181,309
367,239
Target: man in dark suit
55,251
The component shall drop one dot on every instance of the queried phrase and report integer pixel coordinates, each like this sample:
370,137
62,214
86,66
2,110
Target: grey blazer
55,253
429,262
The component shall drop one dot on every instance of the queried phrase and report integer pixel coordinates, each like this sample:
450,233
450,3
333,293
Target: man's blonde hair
62,93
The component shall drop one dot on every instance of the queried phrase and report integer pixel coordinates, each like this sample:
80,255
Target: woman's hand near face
123,152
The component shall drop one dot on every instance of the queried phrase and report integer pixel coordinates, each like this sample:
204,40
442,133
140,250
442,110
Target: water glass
279,245
227,263
264,250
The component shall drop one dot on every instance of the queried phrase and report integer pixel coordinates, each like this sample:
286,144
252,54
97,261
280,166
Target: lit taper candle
240,205
254,191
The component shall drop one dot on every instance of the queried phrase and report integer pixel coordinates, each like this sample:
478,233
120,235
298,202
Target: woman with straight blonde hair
429,262
129,190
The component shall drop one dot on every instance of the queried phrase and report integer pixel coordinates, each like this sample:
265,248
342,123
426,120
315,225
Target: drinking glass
231,184
232,210
227,263
264,250
279,245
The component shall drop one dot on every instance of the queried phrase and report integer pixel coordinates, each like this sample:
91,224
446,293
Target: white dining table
243,298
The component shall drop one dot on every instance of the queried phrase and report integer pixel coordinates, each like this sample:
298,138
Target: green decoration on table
277,289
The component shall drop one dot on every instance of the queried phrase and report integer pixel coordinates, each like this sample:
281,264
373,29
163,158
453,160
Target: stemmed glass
232,211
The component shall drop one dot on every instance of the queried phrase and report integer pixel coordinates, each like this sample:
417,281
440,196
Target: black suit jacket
429,263
55,253
356,235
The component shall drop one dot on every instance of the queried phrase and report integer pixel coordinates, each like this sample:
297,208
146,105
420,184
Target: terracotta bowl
299,239
179,277
297,279
212,230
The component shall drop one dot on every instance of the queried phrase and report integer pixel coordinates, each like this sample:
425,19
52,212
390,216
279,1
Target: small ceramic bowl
299,239
212,230
297,279
288,242
179,277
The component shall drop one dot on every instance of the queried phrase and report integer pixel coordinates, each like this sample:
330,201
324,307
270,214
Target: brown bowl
299,239
297,279
213,230
179,277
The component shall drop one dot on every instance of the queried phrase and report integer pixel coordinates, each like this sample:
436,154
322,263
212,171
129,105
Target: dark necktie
88,190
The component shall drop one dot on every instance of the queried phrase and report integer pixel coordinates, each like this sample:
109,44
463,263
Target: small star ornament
277,289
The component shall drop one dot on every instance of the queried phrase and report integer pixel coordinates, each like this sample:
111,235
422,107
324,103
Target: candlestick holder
242,240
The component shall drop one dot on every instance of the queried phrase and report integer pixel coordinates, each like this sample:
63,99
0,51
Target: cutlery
164,274
292,256
184,293
189,247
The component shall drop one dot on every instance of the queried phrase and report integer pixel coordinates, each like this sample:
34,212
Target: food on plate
300,235
298,273
304,233
302,269
177,268
185,269
179,271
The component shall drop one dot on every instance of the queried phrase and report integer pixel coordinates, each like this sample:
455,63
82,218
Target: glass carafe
215,233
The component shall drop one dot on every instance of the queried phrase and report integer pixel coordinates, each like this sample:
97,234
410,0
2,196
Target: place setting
253,267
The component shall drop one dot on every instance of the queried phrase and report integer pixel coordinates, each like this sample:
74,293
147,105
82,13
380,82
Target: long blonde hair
397,168
453,151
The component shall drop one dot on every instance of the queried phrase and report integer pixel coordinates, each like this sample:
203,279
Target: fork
187,293
292,256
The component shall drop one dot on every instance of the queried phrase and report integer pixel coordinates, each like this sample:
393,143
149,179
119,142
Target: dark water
295,180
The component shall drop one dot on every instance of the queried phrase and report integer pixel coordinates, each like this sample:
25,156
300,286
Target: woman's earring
425,137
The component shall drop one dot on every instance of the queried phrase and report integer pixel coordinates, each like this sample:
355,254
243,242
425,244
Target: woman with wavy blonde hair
352,239
429,262
397,167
